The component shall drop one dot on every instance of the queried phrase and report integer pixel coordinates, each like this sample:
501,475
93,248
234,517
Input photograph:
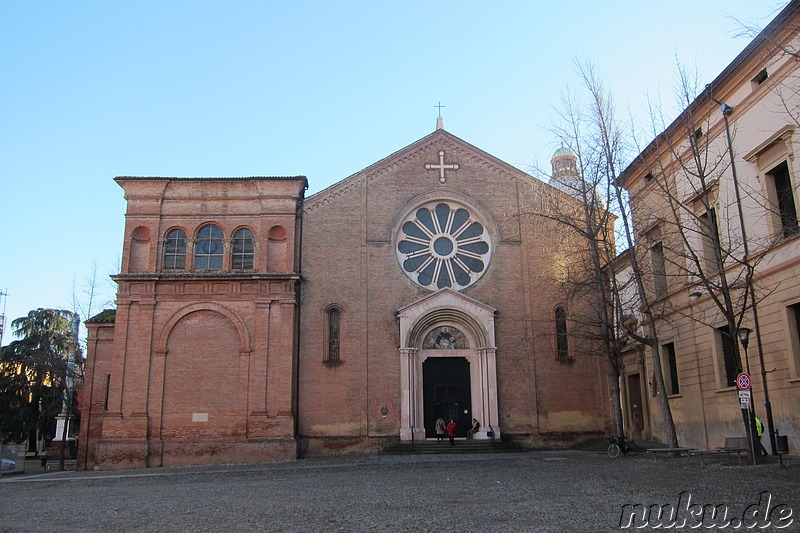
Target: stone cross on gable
441,166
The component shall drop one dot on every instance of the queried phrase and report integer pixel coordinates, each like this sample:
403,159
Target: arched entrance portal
446,393
448,366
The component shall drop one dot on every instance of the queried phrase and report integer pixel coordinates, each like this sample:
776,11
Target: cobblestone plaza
549,491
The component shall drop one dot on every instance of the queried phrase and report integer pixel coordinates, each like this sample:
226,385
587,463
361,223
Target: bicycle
620,444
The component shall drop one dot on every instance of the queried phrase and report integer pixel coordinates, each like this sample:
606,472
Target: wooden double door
446,393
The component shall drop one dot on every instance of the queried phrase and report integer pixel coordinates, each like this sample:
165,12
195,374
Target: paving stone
543,491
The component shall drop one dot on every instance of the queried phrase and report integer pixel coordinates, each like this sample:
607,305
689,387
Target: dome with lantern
567,178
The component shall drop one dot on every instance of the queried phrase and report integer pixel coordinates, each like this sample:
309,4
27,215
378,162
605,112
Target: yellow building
715,201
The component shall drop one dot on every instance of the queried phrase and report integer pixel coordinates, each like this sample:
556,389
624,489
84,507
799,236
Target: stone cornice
783,135
206,276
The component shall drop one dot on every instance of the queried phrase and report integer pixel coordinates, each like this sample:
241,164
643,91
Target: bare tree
91,295
610,139
592,133
591,231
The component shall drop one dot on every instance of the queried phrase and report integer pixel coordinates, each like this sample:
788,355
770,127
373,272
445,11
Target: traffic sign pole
743,383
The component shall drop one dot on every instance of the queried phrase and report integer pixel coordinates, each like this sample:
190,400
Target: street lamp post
744,338
726,110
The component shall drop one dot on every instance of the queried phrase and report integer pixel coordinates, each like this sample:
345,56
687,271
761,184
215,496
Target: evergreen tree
33,373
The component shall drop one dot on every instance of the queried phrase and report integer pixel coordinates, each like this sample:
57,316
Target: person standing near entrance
476,427
451,432
440,428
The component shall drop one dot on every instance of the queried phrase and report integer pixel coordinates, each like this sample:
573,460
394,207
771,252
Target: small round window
443,245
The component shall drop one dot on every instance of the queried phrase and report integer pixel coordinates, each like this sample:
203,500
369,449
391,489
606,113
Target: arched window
242,250
562,337
208,248
175,250
333,325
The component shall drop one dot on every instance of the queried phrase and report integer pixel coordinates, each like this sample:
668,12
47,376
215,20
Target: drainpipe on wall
298,246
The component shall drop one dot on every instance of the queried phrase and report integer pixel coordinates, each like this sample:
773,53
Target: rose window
442,245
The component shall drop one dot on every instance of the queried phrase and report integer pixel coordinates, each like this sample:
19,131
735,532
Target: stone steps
461,446
593,445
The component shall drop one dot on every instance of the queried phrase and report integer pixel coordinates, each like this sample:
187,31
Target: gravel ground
546,491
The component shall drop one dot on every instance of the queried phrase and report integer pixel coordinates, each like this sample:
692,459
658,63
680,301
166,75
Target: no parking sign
743,381
743,384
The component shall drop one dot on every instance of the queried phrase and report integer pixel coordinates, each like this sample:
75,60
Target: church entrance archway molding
460,331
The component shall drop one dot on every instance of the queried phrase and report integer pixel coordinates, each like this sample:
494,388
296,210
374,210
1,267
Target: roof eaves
704,98
106,316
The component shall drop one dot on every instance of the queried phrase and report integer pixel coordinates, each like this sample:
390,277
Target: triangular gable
437,137
445,297
440,136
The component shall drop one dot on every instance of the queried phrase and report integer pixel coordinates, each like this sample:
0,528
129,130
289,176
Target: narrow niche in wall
276,249
140,250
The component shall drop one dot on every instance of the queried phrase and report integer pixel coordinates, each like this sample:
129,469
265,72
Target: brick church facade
256,324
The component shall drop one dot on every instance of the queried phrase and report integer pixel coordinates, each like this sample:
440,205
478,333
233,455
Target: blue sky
94,90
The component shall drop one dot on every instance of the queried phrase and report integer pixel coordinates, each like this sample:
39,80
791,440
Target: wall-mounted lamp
384,411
